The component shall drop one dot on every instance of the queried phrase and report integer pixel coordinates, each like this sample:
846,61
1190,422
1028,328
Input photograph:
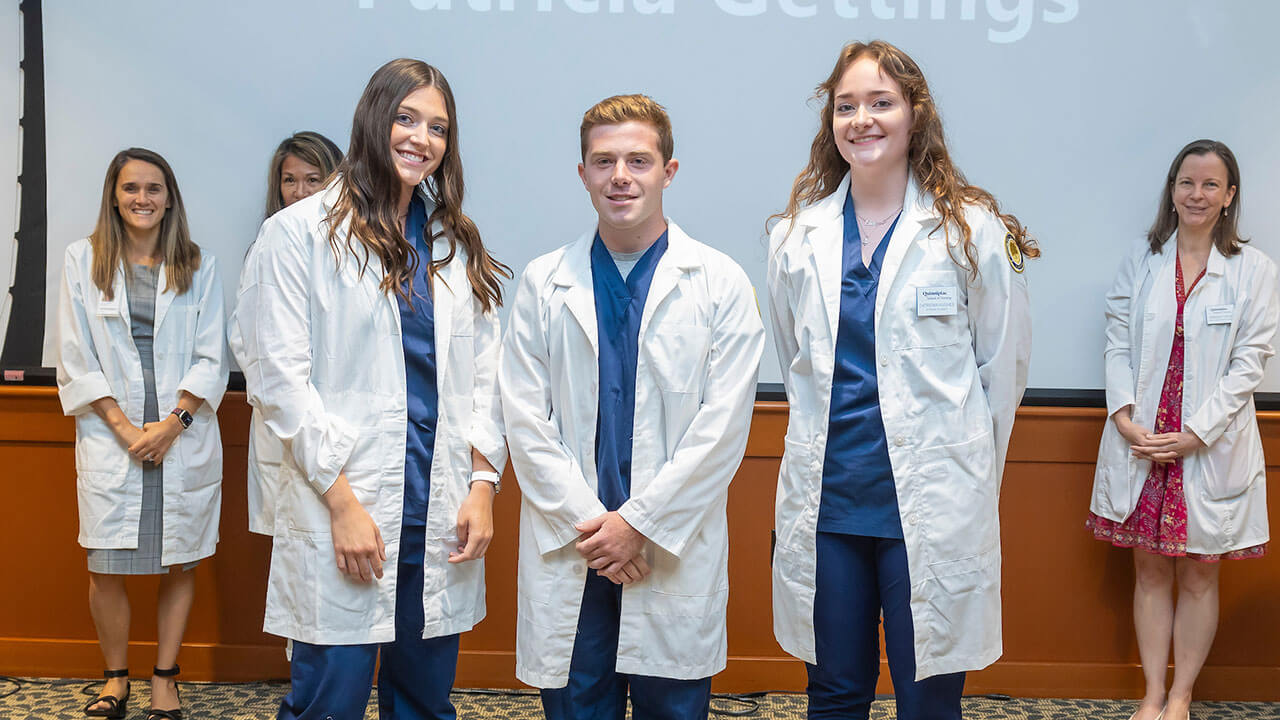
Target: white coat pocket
1112,479
934,323
678,355
1225,465
957,500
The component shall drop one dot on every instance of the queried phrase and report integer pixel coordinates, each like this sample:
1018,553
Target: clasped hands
613,548
1157,447
150,442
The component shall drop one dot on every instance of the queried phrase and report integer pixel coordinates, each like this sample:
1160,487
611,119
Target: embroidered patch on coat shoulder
1013,252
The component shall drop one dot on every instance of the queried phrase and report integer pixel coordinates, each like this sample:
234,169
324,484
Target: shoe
117,707
176,713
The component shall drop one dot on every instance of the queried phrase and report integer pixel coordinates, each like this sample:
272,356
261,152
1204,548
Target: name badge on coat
936,300
109,308
1219,314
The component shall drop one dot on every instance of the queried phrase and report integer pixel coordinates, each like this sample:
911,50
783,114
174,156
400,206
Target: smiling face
624,173
298,179
141,198
419,135
1201,191
871,119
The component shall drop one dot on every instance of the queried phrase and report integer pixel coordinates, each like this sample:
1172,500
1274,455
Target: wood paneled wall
1067,598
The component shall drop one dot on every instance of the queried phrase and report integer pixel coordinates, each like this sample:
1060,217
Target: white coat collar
1216,265
574,274
446,287
826,217
120,295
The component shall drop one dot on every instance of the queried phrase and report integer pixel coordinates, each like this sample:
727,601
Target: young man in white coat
628,377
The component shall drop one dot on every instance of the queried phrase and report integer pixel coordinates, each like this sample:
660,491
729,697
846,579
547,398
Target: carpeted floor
42,699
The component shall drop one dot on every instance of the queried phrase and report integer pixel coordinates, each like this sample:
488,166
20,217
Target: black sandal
117,707
176,713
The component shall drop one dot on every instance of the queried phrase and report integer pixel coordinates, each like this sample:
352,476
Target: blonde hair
630,108
927,157
181,256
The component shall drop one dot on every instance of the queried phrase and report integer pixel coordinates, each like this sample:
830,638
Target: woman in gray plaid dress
140,331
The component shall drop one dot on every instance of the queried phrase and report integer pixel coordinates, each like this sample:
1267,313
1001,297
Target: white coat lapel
446,291
674,263
1161,275
826,243
118,305
574,274
915,216
164,298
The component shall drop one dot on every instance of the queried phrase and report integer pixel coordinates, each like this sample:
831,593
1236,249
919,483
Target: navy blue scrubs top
619,307
418,333
858,494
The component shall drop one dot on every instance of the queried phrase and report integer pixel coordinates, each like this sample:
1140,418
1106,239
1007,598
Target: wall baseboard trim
494,669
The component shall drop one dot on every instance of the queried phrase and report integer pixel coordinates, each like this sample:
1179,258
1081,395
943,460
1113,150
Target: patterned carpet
42,699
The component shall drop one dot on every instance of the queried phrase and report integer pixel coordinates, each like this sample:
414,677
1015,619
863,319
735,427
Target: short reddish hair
630,108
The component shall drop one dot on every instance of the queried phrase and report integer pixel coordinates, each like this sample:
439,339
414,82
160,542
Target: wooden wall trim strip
1067,619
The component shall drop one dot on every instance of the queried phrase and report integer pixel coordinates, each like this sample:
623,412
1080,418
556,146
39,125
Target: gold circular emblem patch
1012,251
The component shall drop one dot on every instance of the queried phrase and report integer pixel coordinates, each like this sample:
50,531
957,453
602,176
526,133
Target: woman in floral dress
1180,476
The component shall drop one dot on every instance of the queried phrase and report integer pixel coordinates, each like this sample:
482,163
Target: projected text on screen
1010,20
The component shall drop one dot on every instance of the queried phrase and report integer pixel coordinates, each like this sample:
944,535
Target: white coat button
579,569
899,441
913,518
884,361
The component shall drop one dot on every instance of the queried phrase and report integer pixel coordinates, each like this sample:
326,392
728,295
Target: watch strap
486,476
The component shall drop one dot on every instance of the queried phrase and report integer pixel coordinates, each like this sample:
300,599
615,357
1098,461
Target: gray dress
140,285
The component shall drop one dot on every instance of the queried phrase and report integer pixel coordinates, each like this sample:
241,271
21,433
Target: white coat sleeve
486,433
1249,354
551,480
1117,355
1000,322
273,313
207,376
781,317
672,507
80,376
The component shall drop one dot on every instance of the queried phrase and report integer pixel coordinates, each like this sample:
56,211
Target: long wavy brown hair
180,255
369,188
1226,234
927,157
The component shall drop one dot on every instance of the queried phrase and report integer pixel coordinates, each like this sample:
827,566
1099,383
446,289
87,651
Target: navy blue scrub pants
597,692
332,682
857,576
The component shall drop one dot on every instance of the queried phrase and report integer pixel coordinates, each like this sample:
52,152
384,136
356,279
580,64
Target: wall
1067,622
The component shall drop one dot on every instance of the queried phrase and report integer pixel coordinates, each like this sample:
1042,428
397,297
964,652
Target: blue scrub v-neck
418,335
858,494
619,308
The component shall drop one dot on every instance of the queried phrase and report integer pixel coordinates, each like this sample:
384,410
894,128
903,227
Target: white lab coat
266,452
949,386
323,360
1225,483
97,359
700,344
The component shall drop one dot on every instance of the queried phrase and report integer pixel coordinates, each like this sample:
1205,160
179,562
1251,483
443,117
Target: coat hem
946,666
291,631
546,681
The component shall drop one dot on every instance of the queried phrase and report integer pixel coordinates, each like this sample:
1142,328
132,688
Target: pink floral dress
1159,524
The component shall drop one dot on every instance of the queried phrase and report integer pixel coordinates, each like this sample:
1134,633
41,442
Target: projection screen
1069,111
